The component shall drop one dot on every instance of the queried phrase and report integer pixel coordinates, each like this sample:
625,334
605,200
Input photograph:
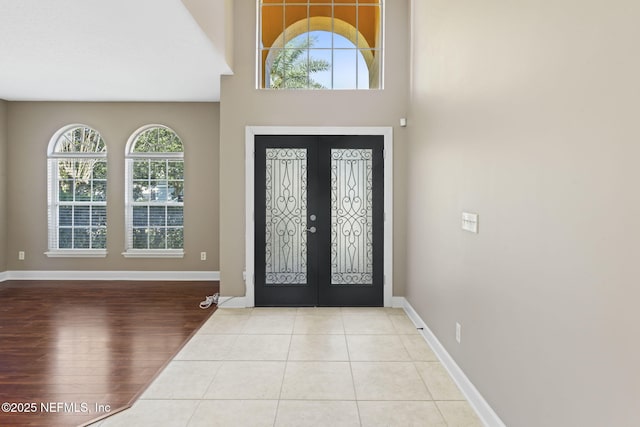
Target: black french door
319,212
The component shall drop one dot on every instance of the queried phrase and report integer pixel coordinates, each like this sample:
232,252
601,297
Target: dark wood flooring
68,347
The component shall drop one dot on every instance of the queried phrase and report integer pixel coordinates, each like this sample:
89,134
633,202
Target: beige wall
31,126
3,186
243,105
527,113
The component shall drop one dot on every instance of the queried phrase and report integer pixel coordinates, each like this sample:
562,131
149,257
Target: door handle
312,230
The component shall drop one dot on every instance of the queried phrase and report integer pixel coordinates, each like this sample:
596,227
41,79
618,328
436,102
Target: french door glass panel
351,217
286,216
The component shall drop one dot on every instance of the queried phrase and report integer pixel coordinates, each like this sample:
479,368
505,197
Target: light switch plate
470,222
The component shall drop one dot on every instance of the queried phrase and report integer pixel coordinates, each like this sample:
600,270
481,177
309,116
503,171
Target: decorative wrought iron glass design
286,216
351,217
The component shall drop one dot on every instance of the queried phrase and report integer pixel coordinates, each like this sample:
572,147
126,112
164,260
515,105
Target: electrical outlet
21,255
203,256
458,332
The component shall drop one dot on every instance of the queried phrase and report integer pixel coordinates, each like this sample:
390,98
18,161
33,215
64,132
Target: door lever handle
312,230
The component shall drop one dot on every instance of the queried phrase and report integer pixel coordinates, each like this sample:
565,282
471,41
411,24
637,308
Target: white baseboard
485,412
4,276
232,302
398,302
111,275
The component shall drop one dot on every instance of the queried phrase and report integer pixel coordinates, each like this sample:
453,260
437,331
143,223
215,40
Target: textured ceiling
116,50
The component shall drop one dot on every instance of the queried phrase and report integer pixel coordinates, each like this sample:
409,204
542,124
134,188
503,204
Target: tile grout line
405,345
284,373
353,381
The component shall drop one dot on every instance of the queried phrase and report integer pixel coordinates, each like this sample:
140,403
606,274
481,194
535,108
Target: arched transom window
77,192
155,193
315,44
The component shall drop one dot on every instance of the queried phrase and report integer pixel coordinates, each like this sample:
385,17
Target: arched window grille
315,44
77,192
155,193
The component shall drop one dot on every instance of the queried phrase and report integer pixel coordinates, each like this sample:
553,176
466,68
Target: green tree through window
78,189
292,67
155,205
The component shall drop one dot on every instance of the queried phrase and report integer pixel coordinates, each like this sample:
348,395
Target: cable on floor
209,300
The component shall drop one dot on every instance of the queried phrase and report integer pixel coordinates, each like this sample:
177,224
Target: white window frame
259,71
130,157
53,202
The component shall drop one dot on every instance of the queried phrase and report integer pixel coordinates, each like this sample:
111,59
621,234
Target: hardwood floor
72,352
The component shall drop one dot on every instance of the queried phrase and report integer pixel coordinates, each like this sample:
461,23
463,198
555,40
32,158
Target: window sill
151,253
77,253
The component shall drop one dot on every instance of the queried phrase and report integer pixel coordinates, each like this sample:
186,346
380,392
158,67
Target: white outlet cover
470,222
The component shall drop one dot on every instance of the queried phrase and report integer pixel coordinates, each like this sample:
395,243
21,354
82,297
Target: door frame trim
252,131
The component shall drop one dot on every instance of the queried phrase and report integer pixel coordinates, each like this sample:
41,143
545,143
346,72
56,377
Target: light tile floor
302,367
